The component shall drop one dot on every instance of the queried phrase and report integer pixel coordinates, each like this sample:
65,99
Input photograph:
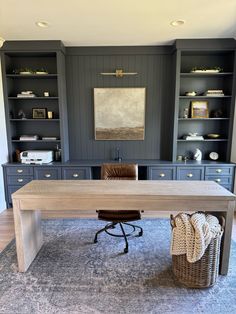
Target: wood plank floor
7,224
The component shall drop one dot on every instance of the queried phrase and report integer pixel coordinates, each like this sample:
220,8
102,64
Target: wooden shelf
205,140
204,97
36,76
32,98
33,120
205,74
202,119
37,141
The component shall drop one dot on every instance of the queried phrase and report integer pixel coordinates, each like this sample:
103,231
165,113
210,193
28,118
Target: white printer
36,156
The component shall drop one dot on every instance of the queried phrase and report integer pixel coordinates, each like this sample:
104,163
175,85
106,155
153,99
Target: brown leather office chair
119,217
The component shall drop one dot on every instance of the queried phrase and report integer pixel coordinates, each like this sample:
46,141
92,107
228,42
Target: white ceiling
113,22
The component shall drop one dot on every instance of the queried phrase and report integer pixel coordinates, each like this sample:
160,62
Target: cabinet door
162,173
47,173
76,173
190,173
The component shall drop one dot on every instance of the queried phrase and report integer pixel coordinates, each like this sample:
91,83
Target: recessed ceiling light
177,23
42,24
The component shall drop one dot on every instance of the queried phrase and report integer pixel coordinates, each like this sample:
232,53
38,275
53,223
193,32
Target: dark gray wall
83,67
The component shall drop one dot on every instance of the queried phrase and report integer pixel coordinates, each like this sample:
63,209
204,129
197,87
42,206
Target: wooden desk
36,196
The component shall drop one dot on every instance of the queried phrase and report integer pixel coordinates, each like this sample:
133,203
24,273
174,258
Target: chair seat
119,215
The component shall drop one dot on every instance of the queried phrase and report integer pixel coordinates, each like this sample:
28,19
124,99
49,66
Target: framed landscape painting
119,113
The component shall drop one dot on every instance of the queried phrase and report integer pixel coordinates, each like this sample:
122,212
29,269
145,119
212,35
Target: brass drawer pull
190,175
218,170
47,175
75,175
20,180
19,170
162,175
218,180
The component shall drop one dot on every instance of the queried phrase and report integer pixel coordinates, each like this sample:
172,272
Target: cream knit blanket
192,234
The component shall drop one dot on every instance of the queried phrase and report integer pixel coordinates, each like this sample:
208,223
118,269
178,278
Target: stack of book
26,94
193,138
214,92
49,138
29,138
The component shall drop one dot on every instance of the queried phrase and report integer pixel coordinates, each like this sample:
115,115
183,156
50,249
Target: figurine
21,114
197,154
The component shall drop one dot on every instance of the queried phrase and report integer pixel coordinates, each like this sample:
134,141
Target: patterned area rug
71,274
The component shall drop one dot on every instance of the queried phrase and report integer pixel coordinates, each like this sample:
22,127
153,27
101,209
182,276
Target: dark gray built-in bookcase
189,56
42,55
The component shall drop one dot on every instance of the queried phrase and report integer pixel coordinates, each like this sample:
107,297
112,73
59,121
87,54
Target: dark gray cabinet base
17,175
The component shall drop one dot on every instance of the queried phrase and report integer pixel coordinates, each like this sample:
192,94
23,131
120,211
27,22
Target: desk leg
226,238
28,235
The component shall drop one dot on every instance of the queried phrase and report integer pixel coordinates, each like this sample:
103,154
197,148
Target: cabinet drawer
19,180
219,179
76,173
190,173
219,171
19,170
46,173
162,173
228,187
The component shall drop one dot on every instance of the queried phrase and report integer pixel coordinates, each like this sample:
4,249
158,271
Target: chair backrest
119,172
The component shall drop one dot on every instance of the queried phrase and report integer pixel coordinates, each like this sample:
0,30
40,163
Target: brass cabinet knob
162,175
20,180
47,175
75,175
189,175
217,180
218,170
19,170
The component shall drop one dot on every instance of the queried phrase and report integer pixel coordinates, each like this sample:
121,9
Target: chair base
123,235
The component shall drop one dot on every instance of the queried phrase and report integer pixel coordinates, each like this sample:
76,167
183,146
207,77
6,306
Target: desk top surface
194,190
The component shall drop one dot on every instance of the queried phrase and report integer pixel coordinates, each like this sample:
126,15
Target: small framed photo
39,113
199,109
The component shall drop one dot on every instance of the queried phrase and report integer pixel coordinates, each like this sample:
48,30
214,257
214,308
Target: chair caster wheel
126,250
140,234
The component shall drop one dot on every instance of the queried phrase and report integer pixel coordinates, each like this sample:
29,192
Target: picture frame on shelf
199,109
39,113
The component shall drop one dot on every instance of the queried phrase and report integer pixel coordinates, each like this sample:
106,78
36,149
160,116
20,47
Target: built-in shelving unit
53,82
187,81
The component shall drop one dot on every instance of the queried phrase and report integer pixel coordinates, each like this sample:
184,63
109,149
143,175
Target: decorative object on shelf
39,113
199,109
49,138
197,154
26,94
28,137
23,71
214,156
217,113
17,155
179,158
50,114
206,70
193,137
193,93
37,157
21,115
41,71
119,113
214,93
186,113
119,73
213,135
185,158
57,154
46,94
118,157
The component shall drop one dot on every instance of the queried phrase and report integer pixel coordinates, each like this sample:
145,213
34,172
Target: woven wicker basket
204,272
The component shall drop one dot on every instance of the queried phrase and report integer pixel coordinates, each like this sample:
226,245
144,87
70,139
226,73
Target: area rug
71,274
